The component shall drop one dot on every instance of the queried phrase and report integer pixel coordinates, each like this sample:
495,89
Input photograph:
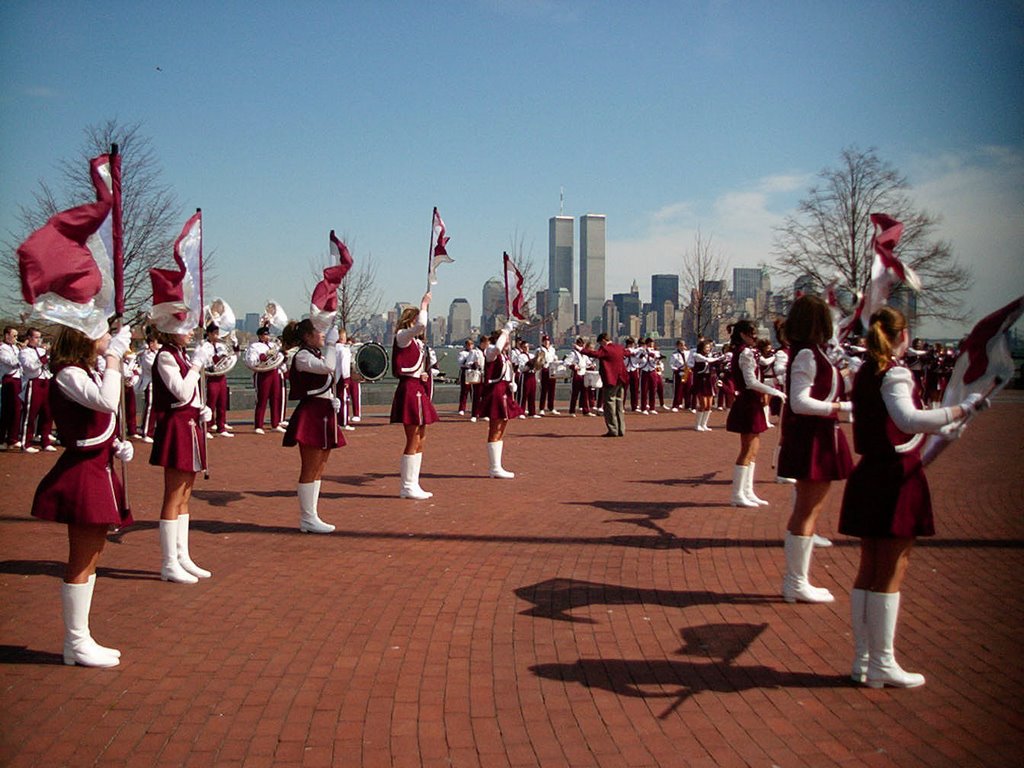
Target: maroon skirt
83,488
412,404
703,384
747,414
179,441
814,448
499,402
887,497
314,423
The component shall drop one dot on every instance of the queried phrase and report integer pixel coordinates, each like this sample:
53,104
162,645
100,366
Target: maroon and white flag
984,365
887,271
324,303
178,293
515,301
438,248
65,268
109,251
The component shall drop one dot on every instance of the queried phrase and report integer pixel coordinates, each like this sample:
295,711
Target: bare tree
829,237
533,274
703,269
151,213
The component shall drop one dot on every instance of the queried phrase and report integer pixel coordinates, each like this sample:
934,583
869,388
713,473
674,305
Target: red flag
984,365
514,299
438,248
60,266
324,302
177,293
887,270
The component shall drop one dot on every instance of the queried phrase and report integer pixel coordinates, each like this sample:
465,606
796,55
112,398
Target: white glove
953,430
121,343
779,394
510,326
205,414
336,404
124,451
845,406
202,357
974,403
332,335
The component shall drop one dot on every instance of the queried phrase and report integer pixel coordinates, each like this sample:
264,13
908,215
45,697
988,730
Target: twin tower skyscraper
591,296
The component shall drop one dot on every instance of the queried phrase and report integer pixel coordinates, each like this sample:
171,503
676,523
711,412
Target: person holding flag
63,278
887,502
499,400
179,440
314,425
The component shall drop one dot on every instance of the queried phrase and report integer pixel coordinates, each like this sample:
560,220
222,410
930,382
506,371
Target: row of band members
886,501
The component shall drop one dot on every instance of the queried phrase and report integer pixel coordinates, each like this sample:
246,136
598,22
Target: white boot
494,453
698,421
183,557
858,620
739,481
410,478
749,489
79,647
704,422
821,541
795,586
309,520
171,569
883,609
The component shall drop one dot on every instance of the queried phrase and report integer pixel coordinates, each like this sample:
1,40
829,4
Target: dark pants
614,409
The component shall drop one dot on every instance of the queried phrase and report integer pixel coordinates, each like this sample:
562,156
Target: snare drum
370,361
592,380
474,376
557,369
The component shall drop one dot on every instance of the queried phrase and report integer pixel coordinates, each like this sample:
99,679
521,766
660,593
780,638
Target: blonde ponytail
884,330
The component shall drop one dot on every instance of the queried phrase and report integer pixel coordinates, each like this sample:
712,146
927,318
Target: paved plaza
605,608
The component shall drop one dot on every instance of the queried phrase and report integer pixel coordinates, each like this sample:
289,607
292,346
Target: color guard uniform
131,373
409,364
747,413
499,395
813,445
314,422
85,405
179,441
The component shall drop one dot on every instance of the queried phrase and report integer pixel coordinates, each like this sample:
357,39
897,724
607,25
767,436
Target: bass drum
370,361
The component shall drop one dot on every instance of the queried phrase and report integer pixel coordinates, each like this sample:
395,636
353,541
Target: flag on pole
324,302
64,266
438,248
109,250
515,302
984,365
117,235
177,293
887,271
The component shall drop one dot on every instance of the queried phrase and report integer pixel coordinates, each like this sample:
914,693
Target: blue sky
285,120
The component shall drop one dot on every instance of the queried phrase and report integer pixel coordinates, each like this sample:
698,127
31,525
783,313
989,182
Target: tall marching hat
323,305
177,308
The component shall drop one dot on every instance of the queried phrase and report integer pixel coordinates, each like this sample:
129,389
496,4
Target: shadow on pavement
20,654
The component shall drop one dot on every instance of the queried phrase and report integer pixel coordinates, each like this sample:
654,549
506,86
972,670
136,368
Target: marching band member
766,364
217,382
577,364
680,376
146,360
468,378
781,369
691,393
651,383
10,391
593,386
475,377
130,375
499,397
354,389
179,444
269,384
814,450
746,416
313,425
343,377
35,393
703,384
634,363
412,406
726,394
887,503
82,490
548,382
526,364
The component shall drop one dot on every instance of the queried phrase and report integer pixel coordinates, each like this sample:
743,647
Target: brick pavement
605,608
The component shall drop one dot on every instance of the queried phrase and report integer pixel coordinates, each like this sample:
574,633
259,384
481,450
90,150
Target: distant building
252,322
664,288
436,331
610,319
628,305
560,249
493,305
592,259
565,321
460,321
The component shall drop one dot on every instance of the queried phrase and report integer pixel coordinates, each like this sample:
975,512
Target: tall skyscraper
460,321
560,247
746,282
664,288
493,304
610,319
591,298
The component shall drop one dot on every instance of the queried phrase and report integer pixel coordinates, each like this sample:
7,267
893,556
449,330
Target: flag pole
117,240
504,269
202,371
430,247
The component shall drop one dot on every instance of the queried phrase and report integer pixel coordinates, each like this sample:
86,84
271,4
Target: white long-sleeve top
898,396
678,361
343,369
146,358
405,336
184,389
748,367
575,359
550,355
781,363
307,362
9,363
494,351
651,358
91,391
801,379
464,358
32,366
